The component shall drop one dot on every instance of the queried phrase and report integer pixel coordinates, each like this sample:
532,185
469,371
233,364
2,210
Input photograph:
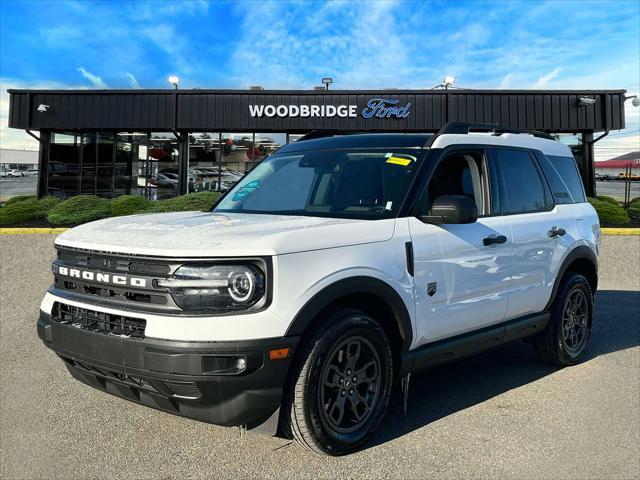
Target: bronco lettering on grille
100,277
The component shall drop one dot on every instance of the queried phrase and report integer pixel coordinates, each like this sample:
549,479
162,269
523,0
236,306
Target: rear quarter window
564,179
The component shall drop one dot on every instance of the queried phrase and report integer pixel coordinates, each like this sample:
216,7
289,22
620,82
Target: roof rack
321,134
465,128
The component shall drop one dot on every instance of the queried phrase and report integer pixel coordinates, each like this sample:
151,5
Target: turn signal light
278,354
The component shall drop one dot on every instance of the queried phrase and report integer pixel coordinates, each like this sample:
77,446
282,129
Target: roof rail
465,128
313,134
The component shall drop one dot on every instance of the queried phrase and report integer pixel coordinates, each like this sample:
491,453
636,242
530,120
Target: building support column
43,163
183,163
588,173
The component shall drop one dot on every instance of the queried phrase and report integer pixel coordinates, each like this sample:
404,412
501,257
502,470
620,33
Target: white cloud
95,80
543,81
133,81
506,81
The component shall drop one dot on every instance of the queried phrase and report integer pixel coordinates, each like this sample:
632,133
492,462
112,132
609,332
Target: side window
522,189
564,178
460,174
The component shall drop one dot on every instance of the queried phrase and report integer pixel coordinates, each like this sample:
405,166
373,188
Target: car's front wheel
340,384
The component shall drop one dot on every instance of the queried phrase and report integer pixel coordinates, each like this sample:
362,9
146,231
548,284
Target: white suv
329,273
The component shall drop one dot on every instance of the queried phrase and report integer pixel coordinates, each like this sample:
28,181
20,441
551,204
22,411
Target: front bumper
193,379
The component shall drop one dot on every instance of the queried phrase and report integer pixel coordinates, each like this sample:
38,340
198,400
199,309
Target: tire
565,339
324,410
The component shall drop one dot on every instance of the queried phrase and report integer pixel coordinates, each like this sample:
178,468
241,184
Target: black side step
450,349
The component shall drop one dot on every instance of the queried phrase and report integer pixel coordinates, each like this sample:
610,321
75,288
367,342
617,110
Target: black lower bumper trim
199,380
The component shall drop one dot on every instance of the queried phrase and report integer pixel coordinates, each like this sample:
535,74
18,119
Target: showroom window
64,165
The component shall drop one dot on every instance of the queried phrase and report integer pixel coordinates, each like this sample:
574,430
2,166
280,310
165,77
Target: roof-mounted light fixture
174,80
448,81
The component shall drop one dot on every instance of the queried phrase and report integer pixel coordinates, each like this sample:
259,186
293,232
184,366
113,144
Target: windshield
353,183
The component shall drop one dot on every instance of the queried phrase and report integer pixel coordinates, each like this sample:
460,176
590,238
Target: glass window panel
162,166
89,160
105,165
64,165
205,171
129,145
522,184
567,169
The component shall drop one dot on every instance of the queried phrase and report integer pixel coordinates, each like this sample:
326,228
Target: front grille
93,271
99,322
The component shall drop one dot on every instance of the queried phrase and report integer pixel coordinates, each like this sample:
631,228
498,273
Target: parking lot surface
616,189
12,187
502,414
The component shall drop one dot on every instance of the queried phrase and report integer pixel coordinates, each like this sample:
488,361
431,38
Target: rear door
541,231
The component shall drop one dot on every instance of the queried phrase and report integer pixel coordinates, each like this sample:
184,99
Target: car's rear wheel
564,341
340,384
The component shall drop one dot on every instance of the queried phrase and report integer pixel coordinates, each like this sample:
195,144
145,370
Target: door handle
494,239
556,232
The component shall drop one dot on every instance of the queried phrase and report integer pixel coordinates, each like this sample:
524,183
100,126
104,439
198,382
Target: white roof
523,140
23,157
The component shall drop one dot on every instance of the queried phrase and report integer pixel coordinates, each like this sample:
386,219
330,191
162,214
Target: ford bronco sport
335,268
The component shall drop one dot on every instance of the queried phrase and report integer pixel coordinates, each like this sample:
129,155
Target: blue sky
128,44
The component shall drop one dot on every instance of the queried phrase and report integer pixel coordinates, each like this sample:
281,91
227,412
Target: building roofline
456,91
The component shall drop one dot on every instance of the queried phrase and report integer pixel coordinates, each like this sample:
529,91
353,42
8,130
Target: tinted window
564,179
459,174
521,183
341,183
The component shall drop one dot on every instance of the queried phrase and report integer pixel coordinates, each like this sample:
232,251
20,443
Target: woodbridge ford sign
376,108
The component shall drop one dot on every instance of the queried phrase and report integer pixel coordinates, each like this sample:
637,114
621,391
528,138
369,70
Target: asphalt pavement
616,190
14,186
502,414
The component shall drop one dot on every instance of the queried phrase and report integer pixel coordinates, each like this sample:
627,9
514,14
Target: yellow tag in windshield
399,161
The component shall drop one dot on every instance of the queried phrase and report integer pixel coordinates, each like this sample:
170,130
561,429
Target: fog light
241,364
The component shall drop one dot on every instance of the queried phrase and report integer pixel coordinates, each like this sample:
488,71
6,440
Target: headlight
216,287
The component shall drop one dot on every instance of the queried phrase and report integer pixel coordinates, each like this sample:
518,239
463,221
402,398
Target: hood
198,234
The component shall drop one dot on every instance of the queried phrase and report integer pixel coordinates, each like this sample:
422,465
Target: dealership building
161,143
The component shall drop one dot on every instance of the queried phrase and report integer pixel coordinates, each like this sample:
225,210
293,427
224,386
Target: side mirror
452,209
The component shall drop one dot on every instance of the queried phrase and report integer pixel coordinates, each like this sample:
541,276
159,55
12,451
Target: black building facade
161,143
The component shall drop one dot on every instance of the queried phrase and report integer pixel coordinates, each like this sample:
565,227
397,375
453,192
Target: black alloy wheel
340,384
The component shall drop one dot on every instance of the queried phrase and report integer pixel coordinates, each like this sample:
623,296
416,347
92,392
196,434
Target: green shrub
129,205
609,213
634,212
610,200
635,202
26,209
19,198
200,201
79,209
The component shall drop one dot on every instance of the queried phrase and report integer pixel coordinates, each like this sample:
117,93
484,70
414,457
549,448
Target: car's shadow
447,389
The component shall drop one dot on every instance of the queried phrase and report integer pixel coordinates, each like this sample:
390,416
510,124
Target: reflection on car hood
191,234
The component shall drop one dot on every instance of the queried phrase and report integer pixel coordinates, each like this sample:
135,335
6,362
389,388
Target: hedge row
86,208
610,213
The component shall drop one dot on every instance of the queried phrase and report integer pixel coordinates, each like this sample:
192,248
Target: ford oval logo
385,108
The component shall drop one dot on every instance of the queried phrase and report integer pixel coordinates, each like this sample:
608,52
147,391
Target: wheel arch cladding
581,260
372,296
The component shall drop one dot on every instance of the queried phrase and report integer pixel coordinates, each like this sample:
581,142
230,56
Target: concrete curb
32,231
620,231
56,231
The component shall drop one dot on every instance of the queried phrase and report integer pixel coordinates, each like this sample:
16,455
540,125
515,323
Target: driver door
462,271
